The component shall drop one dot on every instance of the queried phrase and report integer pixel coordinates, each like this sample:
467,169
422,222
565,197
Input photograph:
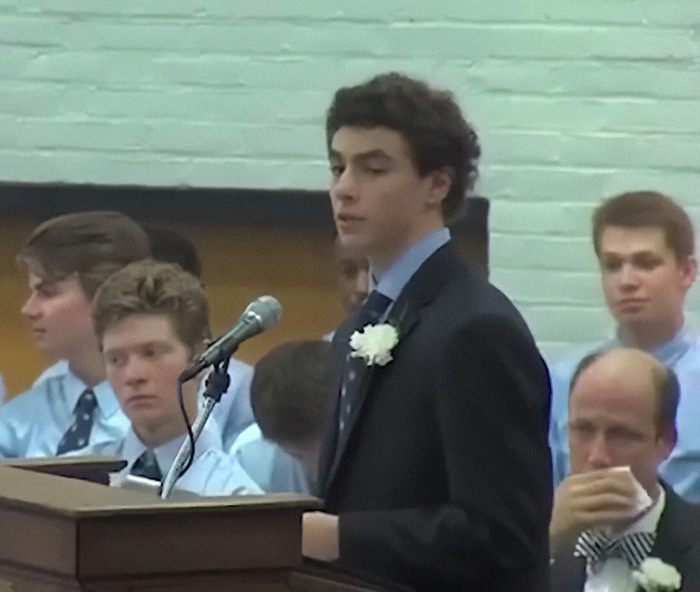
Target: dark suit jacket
677,543
444,481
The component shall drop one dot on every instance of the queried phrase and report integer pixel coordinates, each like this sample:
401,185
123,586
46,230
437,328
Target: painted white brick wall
574,101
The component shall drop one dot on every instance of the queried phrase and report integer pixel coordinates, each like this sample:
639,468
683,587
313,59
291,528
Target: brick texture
574,101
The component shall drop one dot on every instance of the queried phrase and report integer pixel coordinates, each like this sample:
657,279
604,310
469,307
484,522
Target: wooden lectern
65,534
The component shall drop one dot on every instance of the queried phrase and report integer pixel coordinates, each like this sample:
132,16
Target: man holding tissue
613,513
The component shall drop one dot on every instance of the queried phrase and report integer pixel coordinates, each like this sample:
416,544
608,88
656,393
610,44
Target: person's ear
440,183
667,438
688,270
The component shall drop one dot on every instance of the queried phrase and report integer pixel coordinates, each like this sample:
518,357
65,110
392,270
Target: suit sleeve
492,398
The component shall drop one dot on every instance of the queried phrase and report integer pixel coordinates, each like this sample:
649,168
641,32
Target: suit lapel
405,315
568,573
675,533
330,441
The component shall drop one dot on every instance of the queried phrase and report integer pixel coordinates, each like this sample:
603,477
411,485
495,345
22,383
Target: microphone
258,316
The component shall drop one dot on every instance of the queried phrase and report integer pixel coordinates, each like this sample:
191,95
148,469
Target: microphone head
266,309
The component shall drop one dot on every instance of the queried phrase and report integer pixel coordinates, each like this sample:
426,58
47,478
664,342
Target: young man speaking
435,469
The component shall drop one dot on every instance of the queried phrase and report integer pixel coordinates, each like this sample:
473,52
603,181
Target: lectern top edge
47,493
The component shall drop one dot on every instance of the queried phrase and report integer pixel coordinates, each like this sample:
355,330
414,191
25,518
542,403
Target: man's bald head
628,364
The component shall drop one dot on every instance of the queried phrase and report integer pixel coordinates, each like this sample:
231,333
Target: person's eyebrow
640,253
43,283
361,156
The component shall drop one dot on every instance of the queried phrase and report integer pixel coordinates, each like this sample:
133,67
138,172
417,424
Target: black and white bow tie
597,547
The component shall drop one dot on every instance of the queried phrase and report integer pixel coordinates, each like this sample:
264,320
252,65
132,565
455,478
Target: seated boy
71,406
291,399
152,320
233,413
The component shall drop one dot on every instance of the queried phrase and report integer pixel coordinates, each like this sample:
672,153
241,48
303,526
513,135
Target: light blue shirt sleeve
33,423
560,375
3,392
233,413
682,469
215,473
269,466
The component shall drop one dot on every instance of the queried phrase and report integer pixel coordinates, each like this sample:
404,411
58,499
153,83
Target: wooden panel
46,543
193,542
66,528
63,534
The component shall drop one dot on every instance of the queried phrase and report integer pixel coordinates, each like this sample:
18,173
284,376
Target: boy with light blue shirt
291,399
152,320
72,407
232,414
644,242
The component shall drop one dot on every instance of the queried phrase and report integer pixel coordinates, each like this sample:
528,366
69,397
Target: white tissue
642,499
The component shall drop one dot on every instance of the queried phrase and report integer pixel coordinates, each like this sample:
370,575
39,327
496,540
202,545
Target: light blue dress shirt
391,282
233,413
59,368
212,472
682,354
269,466
33,423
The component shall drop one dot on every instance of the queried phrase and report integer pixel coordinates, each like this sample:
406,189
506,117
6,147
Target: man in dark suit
613,512
436,464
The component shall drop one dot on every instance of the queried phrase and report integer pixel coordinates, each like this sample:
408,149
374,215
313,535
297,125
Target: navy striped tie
371,311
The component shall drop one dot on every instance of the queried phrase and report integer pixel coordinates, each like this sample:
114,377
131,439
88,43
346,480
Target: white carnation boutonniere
654,575
373,343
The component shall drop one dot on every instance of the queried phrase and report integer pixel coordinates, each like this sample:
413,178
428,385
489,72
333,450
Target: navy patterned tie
146,466
597,547
78,434
371,311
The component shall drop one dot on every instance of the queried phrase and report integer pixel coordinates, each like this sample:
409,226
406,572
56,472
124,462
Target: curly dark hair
429,119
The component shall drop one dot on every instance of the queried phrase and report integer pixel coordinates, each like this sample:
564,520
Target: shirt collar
165,453
392,281
670,352
106,399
